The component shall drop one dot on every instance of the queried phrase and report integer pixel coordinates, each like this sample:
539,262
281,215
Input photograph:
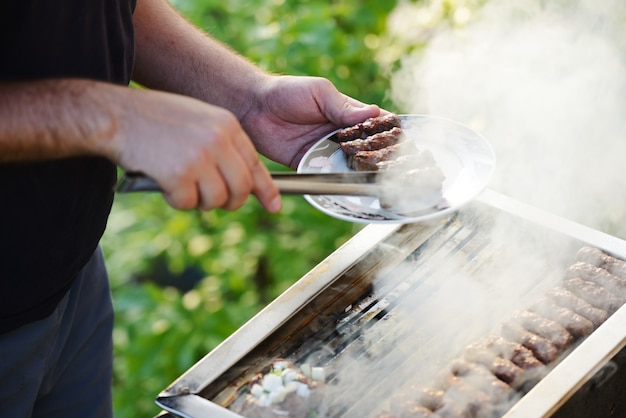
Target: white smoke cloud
545,82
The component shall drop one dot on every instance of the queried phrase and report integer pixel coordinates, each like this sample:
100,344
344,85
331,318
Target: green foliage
336,40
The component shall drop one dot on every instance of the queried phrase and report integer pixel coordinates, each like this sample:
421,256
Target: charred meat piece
600,259
482,379
369,127
372,143
504,369
590,272
577,325
465,397
593,293
427,397
509,350
542,348
508,372
368,160
546,328
407,404
583,308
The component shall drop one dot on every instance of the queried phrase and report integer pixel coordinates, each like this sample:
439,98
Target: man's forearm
175,56
54,118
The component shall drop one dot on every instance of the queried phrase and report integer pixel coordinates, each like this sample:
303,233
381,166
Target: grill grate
406,307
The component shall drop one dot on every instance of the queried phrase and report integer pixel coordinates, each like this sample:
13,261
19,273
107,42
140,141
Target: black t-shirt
53,213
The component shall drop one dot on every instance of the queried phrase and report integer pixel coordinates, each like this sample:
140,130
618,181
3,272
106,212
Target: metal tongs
353,183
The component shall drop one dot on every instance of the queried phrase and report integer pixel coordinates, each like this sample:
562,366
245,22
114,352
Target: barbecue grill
397,304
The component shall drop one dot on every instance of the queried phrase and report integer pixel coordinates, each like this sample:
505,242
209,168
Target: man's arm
174,55
55,118
198,153
282,115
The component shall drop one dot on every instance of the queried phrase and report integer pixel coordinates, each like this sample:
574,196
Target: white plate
465,157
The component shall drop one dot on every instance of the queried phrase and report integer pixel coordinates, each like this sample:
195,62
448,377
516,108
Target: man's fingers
184,196
261,183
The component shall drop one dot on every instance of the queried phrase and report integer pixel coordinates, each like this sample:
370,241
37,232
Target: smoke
545,82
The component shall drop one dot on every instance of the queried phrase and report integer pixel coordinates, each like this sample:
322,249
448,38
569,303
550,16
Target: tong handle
359,183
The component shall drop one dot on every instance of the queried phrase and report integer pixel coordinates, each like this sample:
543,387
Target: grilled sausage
372,143
508,372
593,293
567,299
415,402
544,327
600,259
543,349
465,397
577,325
482,379
369,127
368,160
503,368
590,272
515,352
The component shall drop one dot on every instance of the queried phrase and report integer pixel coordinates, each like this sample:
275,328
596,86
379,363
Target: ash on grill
495,371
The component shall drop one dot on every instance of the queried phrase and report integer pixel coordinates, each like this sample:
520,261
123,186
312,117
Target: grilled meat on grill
414,402
600,276
369,127
508,372
482,379
595,294
600,259
544,327
475,396
517,353
494,368
405,405
504,369
569,300
543,349
577,325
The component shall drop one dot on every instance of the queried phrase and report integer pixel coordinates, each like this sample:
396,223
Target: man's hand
198,153
291,113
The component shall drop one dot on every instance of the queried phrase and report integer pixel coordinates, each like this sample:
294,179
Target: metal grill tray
397,303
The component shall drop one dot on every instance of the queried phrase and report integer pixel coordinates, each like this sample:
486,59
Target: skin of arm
194,130
282,115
